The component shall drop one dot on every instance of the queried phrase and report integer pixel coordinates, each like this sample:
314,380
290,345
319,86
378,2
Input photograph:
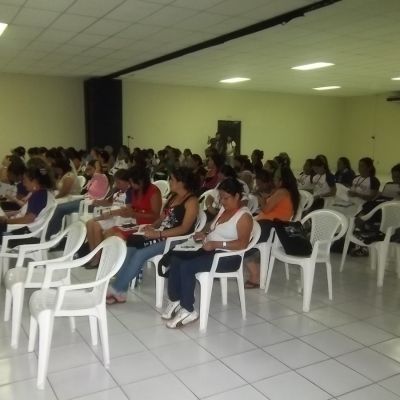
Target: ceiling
83,38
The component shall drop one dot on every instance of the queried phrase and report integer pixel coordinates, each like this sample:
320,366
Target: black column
103,112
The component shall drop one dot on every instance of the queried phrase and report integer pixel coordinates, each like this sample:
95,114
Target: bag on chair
293,238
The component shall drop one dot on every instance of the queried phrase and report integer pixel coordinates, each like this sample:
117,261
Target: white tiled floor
347,349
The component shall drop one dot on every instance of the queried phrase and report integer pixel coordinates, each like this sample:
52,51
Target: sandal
113,299
251,285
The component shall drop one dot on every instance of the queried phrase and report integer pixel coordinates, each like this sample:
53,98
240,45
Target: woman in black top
178,218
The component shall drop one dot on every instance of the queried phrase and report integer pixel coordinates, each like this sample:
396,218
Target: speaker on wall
103,112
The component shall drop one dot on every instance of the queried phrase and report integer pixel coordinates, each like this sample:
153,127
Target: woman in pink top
98,185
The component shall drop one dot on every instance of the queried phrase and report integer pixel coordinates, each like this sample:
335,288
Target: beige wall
368,116
156,115
40,111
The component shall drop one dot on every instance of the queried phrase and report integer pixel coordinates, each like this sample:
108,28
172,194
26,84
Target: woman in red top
146,201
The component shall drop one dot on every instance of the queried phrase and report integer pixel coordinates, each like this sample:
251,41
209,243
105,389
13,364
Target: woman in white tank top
231,230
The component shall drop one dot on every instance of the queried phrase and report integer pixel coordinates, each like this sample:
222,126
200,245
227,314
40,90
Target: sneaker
182,318
172,308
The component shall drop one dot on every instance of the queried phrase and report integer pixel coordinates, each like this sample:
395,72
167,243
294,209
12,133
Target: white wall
40,111
303,126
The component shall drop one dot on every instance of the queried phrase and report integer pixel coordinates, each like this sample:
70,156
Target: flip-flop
114,300
251,285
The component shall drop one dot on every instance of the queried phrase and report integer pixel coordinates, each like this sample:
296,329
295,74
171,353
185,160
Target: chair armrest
13,227
226,253
173,239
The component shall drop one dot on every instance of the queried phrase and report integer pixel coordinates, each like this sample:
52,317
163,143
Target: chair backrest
255,235
40,225
252,203
211,192
306,200
75,234
201,221
390,215
163,186
82,181
326,226
113,253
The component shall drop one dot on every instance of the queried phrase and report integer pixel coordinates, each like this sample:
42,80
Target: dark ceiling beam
248,30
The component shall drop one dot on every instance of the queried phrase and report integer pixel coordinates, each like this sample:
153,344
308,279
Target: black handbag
293,238
140,241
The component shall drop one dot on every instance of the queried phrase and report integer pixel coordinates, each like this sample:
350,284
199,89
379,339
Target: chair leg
102,313
7,305
224,290
382,252
205,298
46,322
93,329
33,328
287,271
240,282
398,260
308,276
160,282
17,292
344,254
329,279
72,324
373,256
263,264
269,273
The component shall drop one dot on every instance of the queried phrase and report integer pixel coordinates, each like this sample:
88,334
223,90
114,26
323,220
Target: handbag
293,238
140,242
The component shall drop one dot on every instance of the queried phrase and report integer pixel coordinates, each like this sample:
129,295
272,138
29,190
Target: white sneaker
183,317
171,309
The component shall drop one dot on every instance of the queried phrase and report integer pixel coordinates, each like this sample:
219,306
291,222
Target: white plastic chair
77,300
82,181
306,200
38,230
206,279
379,250
252,203
202,199
20,278
163,186
200,223
342,192
326,227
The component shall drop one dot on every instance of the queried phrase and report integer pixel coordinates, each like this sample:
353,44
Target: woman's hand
209,246
199,236
151,233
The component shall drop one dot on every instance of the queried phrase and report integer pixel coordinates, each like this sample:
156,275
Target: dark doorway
232,129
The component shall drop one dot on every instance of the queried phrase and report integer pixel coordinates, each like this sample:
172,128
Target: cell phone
128,225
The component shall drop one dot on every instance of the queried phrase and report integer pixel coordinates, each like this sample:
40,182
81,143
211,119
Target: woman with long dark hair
365,186
344,174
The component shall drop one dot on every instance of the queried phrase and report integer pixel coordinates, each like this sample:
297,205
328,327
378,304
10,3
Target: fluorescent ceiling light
396,79
2,27
234,80
316,65
327,88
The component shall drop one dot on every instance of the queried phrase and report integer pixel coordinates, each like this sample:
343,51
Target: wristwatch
223,245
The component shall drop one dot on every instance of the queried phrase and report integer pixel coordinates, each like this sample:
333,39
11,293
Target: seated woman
178,218
214,164
212,202
96,188
39,182
365,186
68,183
391,190
256,160
281,204
196,164
344,173
145,206
323,181
231,230
120,200
305,179
15,174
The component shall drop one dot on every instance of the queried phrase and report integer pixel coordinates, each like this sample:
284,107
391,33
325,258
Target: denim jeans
135,258
61,210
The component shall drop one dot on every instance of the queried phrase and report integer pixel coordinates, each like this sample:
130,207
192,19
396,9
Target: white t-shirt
323,183
366,185
230,148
